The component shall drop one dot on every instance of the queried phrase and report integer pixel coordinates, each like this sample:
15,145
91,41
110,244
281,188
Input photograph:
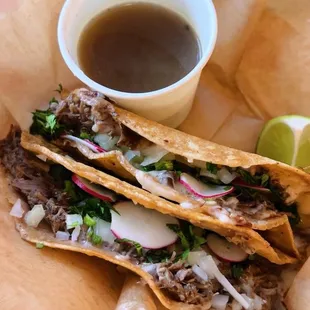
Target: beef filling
93,112
29,176
180,283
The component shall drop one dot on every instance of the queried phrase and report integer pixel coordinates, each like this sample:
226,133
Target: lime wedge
286,139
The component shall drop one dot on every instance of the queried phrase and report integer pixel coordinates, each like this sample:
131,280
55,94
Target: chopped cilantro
70,190
53,100
89,221
39,245
177,229
178,173
161,165
90,232
59,89
237,271
189,240
44,123
258,179
264,180
212,168
247,177
164,165
197,240
157,256
85,135
185,254
94,207
137,245
96,240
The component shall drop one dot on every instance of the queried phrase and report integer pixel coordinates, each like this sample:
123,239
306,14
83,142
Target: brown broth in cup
138,48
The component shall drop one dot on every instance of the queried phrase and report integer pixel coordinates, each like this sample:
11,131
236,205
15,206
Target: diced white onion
35,216
130,154
150,268
208,265
62,235
153,154
75,233
106,141
73,220
219,301
19,208
42,157
225,176
103,229
200,273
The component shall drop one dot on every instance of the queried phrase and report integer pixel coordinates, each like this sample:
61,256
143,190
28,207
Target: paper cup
169,105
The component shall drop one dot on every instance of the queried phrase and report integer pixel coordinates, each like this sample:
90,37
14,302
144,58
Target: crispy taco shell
277,230
295,182
242,236
48,279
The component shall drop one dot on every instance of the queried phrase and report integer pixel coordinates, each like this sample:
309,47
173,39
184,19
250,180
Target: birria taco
225,187
69,205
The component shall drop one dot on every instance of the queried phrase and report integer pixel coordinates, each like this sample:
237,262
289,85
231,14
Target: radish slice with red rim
203,190
225,250
241,183
92,146
145,226
94,189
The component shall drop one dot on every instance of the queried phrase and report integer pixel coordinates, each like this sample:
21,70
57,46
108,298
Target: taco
228,187
76,207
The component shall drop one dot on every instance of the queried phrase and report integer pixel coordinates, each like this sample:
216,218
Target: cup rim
76,70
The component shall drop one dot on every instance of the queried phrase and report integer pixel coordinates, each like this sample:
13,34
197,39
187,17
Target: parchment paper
260,69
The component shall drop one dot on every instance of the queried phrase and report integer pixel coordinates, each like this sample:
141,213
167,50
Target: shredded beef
180,283
91,111
256,209
29,176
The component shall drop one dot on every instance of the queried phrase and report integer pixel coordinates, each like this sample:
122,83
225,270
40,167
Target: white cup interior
76,14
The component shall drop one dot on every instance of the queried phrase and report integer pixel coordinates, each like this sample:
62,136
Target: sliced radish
92,146
145,226
241,183
225,250
94,189
203,190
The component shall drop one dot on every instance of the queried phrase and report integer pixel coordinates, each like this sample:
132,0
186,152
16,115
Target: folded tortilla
242,236
186,274
293,182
